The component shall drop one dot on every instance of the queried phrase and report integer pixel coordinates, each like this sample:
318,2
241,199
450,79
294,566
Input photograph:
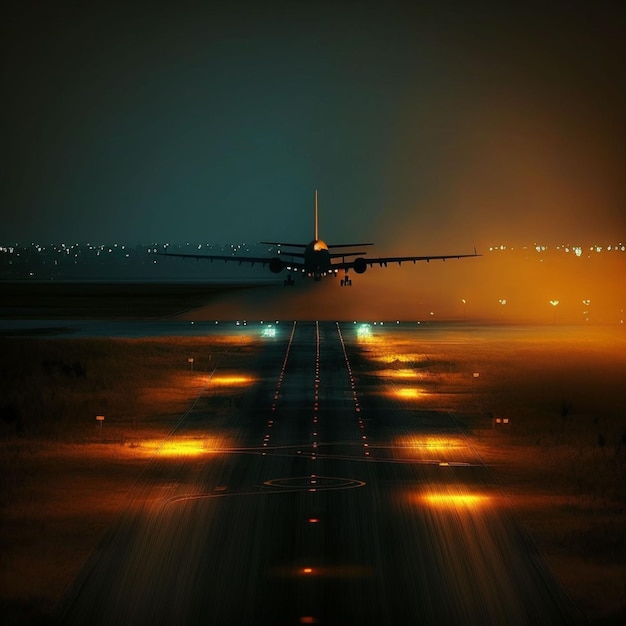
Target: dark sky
426,128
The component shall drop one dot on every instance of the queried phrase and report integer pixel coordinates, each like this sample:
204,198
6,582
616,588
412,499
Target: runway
322,497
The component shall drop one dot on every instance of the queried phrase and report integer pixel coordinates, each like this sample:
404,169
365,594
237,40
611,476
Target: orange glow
408,393
432,442
338,571
446,450
327,571
182,448
178,448
455,500
308,619
232,380
401,373
398,360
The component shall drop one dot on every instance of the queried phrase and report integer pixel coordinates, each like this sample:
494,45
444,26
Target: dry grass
61,499
57,387
62,480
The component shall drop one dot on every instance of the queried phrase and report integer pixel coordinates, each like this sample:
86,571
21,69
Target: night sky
426,129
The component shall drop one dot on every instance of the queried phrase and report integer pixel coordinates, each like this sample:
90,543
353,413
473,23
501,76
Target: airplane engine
276,265
359,265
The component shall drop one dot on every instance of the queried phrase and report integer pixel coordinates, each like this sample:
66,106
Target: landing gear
289,282
346,282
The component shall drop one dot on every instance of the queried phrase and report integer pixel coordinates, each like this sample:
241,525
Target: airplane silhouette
315,259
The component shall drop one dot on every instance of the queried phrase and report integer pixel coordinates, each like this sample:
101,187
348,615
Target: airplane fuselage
317,259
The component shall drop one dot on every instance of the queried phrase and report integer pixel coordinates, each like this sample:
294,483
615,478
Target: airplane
316,259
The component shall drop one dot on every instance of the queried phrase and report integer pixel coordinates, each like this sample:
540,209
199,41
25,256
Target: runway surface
320,498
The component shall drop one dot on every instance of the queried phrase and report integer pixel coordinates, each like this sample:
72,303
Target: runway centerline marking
283,485
320,483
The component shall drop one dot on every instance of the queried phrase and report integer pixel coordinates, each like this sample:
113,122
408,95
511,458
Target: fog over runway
322,496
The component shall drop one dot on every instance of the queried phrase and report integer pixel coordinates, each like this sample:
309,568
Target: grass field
63,479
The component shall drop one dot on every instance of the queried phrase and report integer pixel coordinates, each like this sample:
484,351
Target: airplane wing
342,255
229,258
384,261
349,245
283,243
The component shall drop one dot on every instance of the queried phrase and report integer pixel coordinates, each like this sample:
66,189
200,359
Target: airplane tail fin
315,234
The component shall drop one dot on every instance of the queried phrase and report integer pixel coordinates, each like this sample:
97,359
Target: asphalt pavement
329,500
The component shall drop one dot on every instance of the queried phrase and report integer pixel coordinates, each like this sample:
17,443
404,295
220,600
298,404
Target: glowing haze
426,129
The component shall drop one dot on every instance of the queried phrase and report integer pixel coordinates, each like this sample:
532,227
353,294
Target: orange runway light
432,442
178,448
445,449
399,360
184,448
455,501
234,380
353,570
408,393
401,374
337,571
